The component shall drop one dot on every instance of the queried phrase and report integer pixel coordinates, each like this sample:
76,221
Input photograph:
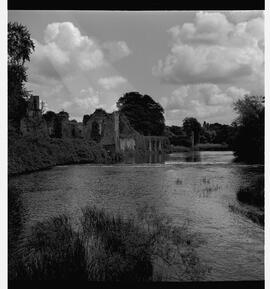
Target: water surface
198,187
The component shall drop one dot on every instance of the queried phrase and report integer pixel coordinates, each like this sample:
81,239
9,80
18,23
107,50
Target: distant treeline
208,133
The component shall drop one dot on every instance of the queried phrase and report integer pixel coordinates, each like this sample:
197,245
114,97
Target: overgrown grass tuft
109,248
52,251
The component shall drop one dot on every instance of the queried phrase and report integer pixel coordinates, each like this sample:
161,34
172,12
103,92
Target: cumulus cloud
243,16
68,70
202,101
111,82
116,50
65,50
213,50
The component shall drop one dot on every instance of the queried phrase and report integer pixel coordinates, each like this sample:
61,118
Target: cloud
243,16
69,70
66,51
111,82
202,101
116,50
214,50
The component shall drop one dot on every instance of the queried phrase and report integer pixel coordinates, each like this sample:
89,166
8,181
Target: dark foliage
217,133
54,252
28,154
20,46
49,116
248,143
144,114
254,194
191,124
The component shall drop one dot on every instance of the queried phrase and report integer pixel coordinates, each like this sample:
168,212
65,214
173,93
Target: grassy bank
200,147
108,248
27,154
254,194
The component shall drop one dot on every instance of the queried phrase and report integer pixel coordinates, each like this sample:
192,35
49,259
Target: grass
109,248
254,194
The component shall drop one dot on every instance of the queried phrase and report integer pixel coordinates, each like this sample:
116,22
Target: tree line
245,136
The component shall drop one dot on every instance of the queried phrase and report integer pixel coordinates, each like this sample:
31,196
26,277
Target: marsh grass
52,251
110,248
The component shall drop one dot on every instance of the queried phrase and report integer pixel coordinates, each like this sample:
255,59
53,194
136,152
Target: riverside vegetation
27,154
108,248
253,196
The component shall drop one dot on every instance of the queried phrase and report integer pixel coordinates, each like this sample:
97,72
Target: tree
190,124
49,116
144,114
248,143
20,46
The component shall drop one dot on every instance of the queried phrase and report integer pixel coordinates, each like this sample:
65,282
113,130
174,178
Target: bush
254,194
27,154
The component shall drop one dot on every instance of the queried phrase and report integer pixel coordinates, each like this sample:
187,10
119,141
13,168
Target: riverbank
107,248
28,154
200,147
251,199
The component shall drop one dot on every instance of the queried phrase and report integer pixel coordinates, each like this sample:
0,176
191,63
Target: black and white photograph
136,146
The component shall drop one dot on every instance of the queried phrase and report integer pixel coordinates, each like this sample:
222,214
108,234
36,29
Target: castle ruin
112,130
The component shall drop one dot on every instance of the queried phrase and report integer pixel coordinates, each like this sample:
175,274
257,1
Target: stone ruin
112,130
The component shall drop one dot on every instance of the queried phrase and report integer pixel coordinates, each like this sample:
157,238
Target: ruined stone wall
127,144
34,126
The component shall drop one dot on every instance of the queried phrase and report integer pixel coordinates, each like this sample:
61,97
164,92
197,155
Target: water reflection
197,186
149,158
193,156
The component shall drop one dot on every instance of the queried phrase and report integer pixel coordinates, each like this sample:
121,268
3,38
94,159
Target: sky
195,64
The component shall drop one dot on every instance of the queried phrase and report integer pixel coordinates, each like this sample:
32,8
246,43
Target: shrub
254,194
27,154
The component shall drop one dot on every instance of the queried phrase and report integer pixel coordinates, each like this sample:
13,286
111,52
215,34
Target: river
197,188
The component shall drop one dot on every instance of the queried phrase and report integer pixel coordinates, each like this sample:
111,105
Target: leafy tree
216,133
190,124
248,143
49,116
144,114
63,114
20,46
